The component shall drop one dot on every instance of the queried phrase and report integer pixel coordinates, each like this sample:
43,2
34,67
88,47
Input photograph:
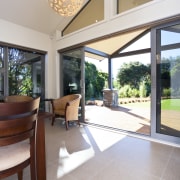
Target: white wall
15,34
18,35
147,13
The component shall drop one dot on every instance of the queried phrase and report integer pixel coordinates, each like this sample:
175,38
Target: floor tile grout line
166,165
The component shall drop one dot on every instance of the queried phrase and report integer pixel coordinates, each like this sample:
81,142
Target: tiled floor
89,153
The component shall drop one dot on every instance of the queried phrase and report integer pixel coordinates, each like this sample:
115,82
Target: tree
20,75
165,67
100,83
133,74
170,73
90,77
94,81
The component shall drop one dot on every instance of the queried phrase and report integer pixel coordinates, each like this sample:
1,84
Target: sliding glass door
72,73
167,39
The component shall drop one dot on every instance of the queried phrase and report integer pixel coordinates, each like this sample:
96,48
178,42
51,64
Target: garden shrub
166,92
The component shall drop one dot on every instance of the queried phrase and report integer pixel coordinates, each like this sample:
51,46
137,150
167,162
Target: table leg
40,146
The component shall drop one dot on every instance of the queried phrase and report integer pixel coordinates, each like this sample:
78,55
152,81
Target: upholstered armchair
66,107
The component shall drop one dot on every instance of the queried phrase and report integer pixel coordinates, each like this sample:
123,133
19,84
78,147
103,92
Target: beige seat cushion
14,154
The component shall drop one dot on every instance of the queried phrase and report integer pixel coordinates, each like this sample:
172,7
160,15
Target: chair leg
79,122
66,125
53,119
33,160
20,175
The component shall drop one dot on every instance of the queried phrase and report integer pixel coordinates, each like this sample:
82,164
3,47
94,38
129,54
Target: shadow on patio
133,119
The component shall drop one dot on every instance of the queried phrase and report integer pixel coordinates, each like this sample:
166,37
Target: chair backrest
17,98
18,121
61,103
72,108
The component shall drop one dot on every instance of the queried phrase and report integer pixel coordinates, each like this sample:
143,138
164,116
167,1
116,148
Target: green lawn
166,104
170,104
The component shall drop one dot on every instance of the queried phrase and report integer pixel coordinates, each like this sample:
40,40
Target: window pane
72,72
142,43
172,32
124,5
1,73
168,73
170,100
91,14
24,71
1,57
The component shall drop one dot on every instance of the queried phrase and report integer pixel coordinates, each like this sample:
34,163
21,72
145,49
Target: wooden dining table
40,145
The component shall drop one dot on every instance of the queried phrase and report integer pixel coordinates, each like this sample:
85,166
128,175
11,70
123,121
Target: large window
90,14
72,73
21,72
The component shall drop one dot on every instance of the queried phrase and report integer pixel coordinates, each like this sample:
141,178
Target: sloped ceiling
38,15
33,14
112,44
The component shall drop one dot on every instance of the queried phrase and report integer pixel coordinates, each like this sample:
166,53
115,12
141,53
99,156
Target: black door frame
155,58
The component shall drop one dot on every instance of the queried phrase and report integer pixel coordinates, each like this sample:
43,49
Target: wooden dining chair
17,137
66,107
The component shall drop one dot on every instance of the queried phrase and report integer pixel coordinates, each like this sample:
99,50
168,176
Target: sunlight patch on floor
105,139
68,162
